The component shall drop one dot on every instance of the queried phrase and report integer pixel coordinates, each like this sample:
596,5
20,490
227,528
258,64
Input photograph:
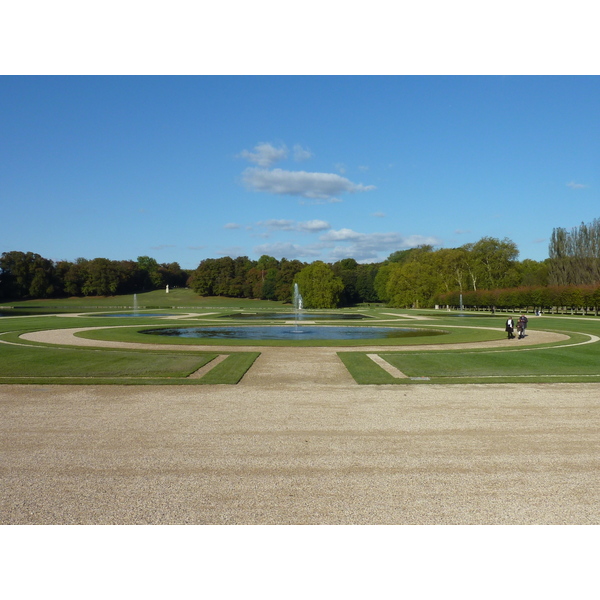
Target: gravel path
332,454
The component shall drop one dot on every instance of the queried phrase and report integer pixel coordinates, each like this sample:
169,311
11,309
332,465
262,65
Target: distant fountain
297,301
135,305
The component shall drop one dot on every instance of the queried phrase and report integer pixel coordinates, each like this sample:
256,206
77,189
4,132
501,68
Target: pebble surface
322,451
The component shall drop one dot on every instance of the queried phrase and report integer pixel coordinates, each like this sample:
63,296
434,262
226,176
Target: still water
288,332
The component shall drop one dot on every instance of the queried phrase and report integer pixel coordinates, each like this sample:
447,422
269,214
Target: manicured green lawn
36,362
571,361
176,298
28,362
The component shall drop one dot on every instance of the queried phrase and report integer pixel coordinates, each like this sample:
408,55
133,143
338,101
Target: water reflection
285,332
300,316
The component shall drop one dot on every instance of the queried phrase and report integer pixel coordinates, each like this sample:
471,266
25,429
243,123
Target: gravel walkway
335,454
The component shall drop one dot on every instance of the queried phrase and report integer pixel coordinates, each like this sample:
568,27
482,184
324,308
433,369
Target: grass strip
231,370
364,370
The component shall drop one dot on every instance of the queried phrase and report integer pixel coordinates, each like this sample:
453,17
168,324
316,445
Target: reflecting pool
300,316
131,315
287,332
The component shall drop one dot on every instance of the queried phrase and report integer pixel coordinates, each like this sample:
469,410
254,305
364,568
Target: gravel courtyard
330,452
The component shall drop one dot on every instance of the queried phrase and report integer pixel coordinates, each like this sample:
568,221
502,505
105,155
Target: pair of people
521,327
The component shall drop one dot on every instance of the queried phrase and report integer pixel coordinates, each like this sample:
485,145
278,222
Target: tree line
575,255
553,298
417,277
412,277
28,275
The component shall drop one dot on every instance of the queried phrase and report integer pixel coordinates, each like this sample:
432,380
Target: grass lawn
21,361
572,361
176,298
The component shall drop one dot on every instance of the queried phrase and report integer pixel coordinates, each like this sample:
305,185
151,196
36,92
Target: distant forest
481,273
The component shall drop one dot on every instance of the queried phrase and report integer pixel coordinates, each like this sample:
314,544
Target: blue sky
183,168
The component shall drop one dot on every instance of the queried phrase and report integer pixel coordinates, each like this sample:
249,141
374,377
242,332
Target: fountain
297,301
282,333
135,305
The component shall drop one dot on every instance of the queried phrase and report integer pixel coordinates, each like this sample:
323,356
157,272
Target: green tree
72,276
347,271
575,255
365,282
381,281
533,273
491,263
26,274
239,287
288,269
413,283
203,279
152,277
319,286
102,278
403,256
451,268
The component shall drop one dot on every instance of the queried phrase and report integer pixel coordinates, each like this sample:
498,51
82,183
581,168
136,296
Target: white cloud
412,241
265,154
301,153
341,235
371,246
325,201
279,224
289,250
319,186
314,225
576,186
378,214
232,251
231,226
287,225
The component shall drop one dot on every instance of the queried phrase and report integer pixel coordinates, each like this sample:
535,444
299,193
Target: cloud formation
289,250
316,186
265,154
301,153
162,246
369,246
315,225
336,244
319,187
576,186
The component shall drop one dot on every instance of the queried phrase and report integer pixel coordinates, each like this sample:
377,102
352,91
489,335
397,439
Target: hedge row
583,298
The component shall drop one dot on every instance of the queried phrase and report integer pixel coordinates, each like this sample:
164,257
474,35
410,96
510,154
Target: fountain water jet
135,305
297,301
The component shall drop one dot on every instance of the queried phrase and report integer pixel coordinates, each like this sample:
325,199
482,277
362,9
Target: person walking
522,326
510,328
